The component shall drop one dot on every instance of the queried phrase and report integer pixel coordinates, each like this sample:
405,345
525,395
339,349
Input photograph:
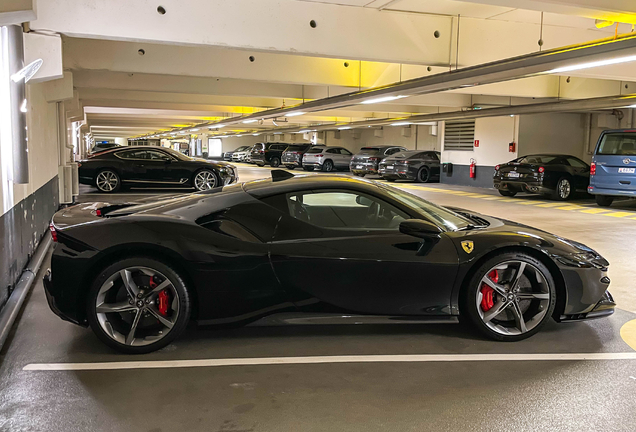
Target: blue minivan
613,169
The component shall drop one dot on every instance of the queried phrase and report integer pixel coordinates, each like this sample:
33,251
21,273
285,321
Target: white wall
494,135
562,133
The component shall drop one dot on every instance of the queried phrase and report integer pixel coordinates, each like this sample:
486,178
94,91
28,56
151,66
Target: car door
344,157
343,249
580,173
133,166
159,167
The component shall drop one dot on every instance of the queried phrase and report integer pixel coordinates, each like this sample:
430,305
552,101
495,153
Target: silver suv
327,158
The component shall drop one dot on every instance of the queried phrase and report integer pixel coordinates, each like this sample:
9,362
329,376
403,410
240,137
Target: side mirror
419,228
363,201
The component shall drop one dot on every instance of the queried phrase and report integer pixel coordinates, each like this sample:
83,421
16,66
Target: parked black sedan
153,167
247,252
268,153
367,160
418,165
558,176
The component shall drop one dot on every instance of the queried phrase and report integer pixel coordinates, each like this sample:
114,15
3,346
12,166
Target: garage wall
29,210
494,135
553,133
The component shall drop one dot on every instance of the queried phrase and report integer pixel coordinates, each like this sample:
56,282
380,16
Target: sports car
311,249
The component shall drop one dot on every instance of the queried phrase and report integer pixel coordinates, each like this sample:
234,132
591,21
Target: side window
331,151
345,152
433,155
392,151
156,155
126,154
343,210
577,163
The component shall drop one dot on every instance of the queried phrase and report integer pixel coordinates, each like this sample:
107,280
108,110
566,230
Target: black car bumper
53,298
398,173
521,186
587,295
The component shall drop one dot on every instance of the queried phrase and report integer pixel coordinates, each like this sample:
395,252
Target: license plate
627,170
358,166
513,174
389,167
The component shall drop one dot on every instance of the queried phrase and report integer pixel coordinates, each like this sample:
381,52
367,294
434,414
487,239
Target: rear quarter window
623,144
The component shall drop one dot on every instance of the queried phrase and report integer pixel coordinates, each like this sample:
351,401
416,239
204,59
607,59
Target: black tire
507,193
470,308
423,175
290,167
184,310
604,200
260,165
328,166
563,190
274,162
359,174
390,179
308,168
107,181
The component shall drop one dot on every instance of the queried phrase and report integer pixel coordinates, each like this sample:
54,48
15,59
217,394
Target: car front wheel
138,305
274,162
204,180
510,297
108,181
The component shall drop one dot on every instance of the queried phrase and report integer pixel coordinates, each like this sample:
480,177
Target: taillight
320,155
593,168
374,159
79,164
541,169
98,212
496,167
53,232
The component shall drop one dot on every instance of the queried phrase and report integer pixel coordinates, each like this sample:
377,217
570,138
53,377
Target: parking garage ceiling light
401,124
382,99
294,114
250,121
606,62
344,128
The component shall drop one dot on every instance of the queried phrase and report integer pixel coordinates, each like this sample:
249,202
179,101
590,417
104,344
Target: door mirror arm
420,228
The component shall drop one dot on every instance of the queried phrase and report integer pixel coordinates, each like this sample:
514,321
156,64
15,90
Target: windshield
177,154
449,220
405,154
241,148
623,144
369,150
296,147
536,159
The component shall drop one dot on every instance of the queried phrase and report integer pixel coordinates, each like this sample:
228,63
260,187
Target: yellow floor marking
493,198
619,214
571,207
531,202
594,211
628,333
551,205
480,196
510,200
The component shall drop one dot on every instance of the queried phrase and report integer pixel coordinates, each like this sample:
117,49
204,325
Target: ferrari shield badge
468,246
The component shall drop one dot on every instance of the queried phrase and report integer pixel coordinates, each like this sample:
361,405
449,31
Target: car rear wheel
423,175
510,297
604,201
205,180
507,193
308,168
138,305
563,189
274,162
328,166
289,167
107,181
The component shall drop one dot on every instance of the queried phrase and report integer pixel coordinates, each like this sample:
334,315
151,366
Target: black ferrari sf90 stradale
323,246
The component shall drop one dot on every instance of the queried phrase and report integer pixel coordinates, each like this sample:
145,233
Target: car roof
265,187
120,148
549,154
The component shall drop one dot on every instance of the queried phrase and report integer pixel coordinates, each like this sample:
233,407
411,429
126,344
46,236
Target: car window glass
332,151
577,163
393,150
623,144
345,152
536,159
315,150
344,210
156,155
433,155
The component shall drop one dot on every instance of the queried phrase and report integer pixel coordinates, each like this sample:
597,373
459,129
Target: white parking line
406,358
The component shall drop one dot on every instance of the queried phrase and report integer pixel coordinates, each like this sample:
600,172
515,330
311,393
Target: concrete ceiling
137,71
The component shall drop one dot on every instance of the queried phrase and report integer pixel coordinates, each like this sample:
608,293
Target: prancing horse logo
468,246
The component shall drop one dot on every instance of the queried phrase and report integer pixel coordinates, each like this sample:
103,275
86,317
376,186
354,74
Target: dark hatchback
558,176
145,166
293,156
367,160
421,166
268,153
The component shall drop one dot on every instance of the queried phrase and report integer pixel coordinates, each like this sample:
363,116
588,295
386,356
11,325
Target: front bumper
521,186
604,308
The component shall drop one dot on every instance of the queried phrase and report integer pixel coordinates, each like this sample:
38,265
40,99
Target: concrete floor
502,395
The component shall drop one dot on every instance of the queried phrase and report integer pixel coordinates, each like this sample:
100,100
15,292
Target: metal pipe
588,132
528,65
12,308
17,97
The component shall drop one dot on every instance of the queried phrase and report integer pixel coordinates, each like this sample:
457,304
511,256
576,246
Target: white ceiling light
344,128
304,131
250,121
194,130
294,114
256,134
599,63
219,126
28,71
382,99
401,124
239,135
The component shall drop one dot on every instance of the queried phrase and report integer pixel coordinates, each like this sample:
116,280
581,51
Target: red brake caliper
487,301
162,298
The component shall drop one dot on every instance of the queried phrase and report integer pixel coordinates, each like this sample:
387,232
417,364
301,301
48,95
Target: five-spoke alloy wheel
510,297
205,180
138,305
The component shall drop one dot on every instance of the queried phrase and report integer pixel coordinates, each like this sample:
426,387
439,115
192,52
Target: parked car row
612,173
389,162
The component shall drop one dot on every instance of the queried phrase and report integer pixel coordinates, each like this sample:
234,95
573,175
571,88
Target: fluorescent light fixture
294,114
250,121
278,133
401,124
194,130
275,124
239,135
303,131
382,99
631,106
28,71
224,136
594,64
219,126
256,134
344,128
